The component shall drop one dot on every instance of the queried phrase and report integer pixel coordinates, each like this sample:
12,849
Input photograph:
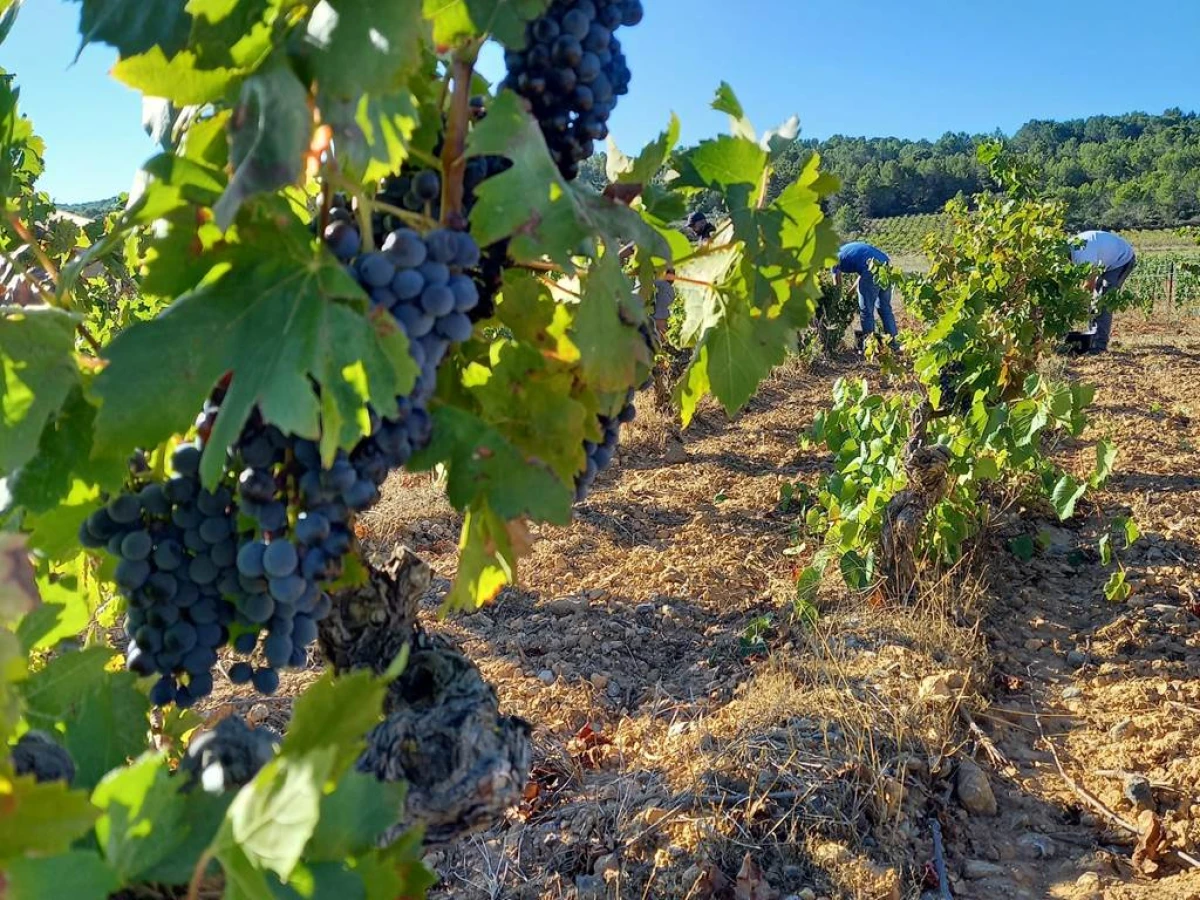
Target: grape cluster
572,71
39,755
177,545
600,456
420,191
228,756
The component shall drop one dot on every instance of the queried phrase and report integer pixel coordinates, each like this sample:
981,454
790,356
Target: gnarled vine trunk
443,734
906,513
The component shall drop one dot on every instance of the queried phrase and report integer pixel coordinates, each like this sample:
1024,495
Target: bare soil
692,743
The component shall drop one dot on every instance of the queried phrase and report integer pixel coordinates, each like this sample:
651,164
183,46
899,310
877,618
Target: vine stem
422,222
198,874
454,149
52,270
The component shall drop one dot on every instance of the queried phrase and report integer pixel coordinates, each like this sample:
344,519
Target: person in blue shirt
856,258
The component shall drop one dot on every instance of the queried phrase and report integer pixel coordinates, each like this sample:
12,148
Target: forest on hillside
1115,172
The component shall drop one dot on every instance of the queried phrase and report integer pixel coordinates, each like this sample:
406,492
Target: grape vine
341,262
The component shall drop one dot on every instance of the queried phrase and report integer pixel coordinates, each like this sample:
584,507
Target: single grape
278,650
427,185
186,459
202,570
437,300
215,529
246,642
343,240
204,610
287,589
200,684
258,608
257,485
132,574
241,673
125,509
280,559
311,528
376,270
266,681
163,691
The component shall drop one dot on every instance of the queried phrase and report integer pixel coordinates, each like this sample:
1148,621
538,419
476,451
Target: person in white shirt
1114,259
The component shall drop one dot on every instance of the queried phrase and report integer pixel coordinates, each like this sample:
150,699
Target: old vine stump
464,763
927,467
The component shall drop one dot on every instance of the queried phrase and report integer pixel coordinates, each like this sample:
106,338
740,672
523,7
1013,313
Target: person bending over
856,258
1114,259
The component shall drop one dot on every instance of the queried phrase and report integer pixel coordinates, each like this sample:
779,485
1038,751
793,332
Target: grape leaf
64,457
335,712
623,170
531,314
57,691
1022,547
733,359
269,134
243,881
354,815
455,21
487,559
611,350
1106,457
1117,589
397,870
531,202
271,320
178,78
482,463
531,404
726,101
273,817
321,879
8,16
734,166
356,47
78,874
37,371
134,26
1067,492
375,141
109,728
42,819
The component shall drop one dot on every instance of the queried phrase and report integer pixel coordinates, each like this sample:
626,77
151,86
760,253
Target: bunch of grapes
177,545
600,456
572,71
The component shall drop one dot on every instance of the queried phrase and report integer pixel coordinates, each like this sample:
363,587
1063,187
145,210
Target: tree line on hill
1114,172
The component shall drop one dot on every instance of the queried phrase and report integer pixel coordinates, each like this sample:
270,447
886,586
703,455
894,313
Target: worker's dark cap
696,218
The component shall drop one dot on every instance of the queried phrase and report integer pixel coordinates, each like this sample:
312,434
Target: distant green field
1161,275
905,236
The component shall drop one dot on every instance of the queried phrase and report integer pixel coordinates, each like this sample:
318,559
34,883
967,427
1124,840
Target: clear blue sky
864,67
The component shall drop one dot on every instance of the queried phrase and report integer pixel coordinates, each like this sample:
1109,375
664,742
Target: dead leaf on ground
752,884
1151,845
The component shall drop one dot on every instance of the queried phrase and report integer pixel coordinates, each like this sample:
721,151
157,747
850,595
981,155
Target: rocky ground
692,743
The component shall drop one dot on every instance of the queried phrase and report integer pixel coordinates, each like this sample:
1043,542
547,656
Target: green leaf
269,135
8,16
856,571
322,879
1067,492
243,880
611,351
273,321
109,729
57,692
1132,531
134,26
273,817
41,819
1117,589
357,47
1022,547
483,464
37,371
397,870
733,359
336,711
178,78
734,166
1105,547
487,559
455,21
726,101
623,170
1106,457
64,459
376,144
544,215
354,815
77,874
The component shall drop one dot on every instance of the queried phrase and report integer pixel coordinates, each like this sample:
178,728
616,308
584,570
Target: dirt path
683,728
